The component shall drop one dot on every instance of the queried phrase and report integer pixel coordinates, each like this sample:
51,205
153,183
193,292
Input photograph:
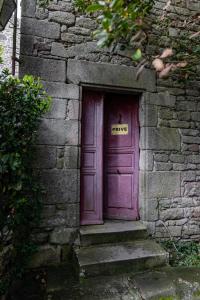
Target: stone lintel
84,72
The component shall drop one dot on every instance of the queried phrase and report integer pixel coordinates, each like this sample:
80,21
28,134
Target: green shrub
183,253
22,103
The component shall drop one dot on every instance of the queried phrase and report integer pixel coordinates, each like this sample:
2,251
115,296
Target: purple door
121,154
92,159
109,157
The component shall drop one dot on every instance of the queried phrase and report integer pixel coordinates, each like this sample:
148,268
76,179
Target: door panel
92,159
121,152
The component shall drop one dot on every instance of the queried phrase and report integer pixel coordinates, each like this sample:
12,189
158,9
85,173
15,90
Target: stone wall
6,40
52,42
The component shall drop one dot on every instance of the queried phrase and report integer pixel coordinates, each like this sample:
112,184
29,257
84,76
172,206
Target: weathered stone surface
161,157
58,132
57,110
161,166
61,186
159,185
28,8
73,110
72,38
149,210
161,99
191,140
41,13
62,236
148,115
46,255
120,76
159,138
47,69
86,22
177,158
195,116
40,28
61,6
71,158
146,160
27,44
60,50
166,114
172,214
62,17
79,31
45,157
62,90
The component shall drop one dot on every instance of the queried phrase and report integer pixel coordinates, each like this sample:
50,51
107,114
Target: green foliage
118,21
22,103
1,54
183,253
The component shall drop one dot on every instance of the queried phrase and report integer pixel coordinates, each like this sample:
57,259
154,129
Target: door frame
118,78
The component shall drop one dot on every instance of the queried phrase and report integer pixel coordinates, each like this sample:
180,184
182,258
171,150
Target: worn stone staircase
117,247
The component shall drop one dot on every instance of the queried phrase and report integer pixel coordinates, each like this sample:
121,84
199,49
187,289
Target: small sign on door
119,129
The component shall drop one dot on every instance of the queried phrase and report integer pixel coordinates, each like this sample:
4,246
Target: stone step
108,259
112,232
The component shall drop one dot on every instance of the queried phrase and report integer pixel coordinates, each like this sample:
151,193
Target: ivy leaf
137,55
94,8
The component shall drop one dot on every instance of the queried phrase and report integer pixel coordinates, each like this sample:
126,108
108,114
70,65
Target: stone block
148,115
161,166
58,132
61,6
166,113
177,158
62,236
41,13
186,105
45,157
60,50
62,17
195,116
41,28
79,31
71,158
86,23
28,8
72,38
114,75
159,139
46,255
146,160
172,214
155,185
73,110
191,140
179,167
193,159
179,124
58,109
26,44
161,99
161,157
192,132
149,210
62,90
47,69
61,186
183,115
192,189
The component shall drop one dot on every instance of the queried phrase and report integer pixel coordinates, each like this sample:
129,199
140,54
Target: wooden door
121,156
92,158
